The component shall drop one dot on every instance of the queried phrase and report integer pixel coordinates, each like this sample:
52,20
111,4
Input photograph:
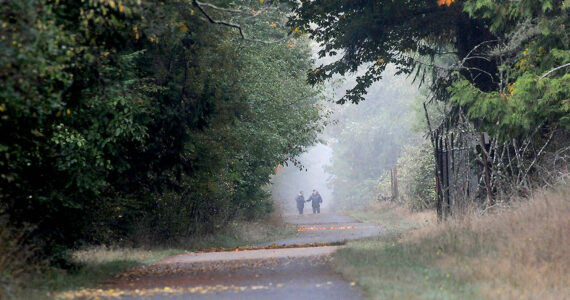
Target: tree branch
554,70
203,11
201,5
218,8
538,155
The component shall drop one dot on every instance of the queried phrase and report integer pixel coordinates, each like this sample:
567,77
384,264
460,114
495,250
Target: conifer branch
554,70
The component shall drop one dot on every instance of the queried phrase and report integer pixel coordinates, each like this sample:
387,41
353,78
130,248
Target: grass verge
95,265
518,253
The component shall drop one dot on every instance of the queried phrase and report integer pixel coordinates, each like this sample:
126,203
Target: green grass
387,268
242,234
93,267
394,218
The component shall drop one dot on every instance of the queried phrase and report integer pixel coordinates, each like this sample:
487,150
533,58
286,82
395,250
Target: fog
289,180
364,142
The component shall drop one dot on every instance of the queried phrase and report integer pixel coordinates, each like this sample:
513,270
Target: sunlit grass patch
102,255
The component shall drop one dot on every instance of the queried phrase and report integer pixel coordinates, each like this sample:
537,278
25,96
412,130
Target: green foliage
504,15
62,91
408,34
416,180
144,120
503,63
535,87
370,137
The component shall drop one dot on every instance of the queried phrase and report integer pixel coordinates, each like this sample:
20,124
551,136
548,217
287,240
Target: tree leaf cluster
139,122
535,85
407,34
499,67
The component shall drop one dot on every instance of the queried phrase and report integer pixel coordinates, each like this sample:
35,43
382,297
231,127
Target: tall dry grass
520,252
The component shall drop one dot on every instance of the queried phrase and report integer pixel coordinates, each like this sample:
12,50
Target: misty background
359,148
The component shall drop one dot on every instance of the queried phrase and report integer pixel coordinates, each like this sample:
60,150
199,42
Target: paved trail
283,273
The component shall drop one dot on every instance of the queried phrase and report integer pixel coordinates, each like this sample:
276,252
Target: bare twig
538,154
554,70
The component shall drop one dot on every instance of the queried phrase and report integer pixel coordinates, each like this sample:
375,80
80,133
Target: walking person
316,201
300,199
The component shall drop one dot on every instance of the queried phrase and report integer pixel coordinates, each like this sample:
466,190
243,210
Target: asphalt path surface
294,271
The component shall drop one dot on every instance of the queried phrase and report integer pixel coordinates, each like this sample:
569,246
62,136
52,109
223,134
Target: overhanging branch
201,6
554,70
213,21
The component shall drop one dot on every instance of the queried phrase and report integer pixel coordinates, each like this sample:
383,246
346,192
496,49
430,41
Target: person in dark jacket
300,202
316,201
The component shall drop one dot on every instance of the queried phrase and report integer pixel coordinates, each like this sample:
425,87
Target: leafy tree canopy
145,119
373,34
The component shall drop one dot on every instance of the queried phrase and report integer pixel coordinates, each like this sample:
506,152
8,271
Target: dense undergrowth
519,252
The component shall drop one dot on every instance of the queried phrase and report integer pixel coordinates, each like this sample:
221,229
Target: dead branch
538,154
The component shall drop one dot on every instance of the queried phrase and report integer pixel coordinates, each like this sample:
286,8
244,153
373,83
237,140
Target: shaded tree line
139,121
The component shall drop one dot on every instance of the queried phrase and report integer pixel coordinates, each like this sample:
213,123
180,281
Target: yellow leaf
2,108
112,4
261,1
68,111
183,27
273,25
